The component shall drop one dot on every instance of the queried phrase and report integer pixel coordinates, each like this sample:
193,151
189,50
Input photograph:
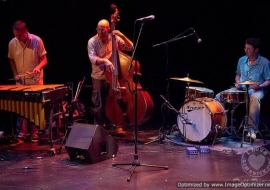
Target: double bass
120,103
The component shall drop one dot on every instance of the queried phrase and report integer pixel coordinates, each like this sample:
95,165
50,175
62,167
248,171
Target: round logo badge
256,161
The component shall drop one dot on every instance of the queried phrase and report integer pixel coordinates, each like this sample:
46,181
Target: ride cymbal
187,79
248,83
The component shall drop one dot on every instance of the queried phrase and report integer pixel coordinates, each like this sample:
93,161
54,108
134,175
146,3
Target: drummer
256,69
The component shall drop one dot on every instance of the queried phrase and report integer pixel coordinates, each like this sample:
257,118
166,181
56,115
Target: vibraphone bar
29,100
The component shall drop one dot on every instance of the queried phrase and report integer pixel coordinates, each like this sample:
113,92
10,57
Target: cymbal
248,82
187,79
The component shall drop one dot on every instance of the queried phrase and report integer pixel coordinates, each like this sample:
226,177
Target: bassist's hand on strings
109,65
118,33
106,62
128,43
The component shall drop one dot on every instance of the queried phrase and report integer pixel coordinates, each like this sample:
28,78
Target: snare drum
201,119
193,92
233,96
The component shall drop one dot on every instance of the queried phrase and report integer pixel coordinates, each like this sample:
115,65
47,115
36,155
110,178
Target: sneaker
251,135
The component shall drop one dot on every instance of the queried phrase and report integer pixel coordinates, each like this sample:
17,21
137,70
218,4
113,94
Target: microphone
186,120
199,40
189,122
151,17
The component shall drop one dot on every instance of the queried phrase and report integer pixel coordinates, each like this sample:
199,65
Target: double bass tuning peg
115,11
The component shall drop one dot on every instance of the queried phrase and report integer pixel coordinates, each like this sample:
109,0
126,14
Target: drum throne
248,128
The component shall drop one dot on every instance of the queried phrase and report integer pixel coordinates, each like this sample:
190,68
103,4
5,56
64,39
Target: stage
32,165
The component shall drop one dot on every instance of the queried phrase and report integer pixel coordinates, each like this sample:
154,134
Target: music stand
136,161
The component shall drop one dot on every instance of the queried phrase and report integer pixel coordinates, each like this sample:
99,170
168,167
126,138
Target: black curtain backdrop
66,26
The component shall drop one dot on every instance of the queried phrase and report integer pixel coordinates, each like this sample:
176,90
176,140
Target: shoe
34,138
110,127
21,136
251,135
118,132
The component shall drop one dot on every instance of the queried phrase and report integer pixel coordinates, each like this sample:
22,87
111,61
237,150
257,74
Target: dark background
66,26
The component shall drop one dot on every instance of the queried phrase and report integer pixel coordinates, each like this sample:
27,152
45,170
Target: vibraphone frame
29,101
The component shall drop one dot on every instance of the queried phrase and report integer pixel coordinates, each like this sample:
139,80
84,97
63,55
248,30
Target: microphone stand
172,40
135,48
167,78
136,161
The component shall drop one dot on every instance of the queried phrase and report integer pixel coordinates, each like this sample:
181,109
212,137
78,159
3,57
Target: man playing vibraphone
27,56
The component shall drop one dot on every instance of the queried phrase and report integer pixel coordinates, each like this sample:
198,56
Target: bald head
103,24
103,29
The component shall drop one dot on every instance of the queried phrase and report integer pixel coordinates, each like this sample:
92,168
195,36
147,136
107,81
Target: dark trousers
99,94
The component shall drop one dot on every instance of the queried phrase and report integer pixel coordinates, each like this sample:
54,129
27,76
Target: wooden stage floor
32,165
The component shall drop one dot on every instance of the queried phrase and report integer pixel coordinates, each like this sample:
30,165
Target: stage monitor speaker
91,143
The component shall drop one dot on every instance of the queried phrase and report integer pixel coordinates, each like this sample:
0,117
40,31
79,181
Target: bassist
100,51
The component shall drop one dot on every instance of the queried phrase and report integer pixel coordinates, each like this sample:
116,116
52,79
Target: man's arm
237,80
96,60
264,85
43,62
13,67
127,43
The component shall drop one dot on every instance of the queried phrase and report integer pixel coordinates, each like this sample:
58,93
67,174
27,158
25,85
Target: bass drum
201,119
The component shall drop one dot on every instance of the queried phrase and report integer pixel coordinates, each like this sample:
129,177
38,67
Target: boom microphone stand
136,161
162,136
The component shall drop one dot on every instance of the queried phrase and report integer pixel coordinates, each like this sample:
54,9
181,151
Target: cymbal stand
135,163
245,121
187,94
231,130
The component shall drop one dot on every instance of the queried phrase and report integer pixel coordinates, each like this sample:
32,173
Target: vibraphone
29,101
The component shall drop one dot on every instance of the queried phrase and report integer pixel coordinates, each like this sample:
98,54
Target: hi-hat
187,79
248,83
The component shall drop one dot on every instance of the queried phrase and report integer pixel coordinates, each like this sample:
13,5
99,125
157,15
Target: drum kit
201,117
